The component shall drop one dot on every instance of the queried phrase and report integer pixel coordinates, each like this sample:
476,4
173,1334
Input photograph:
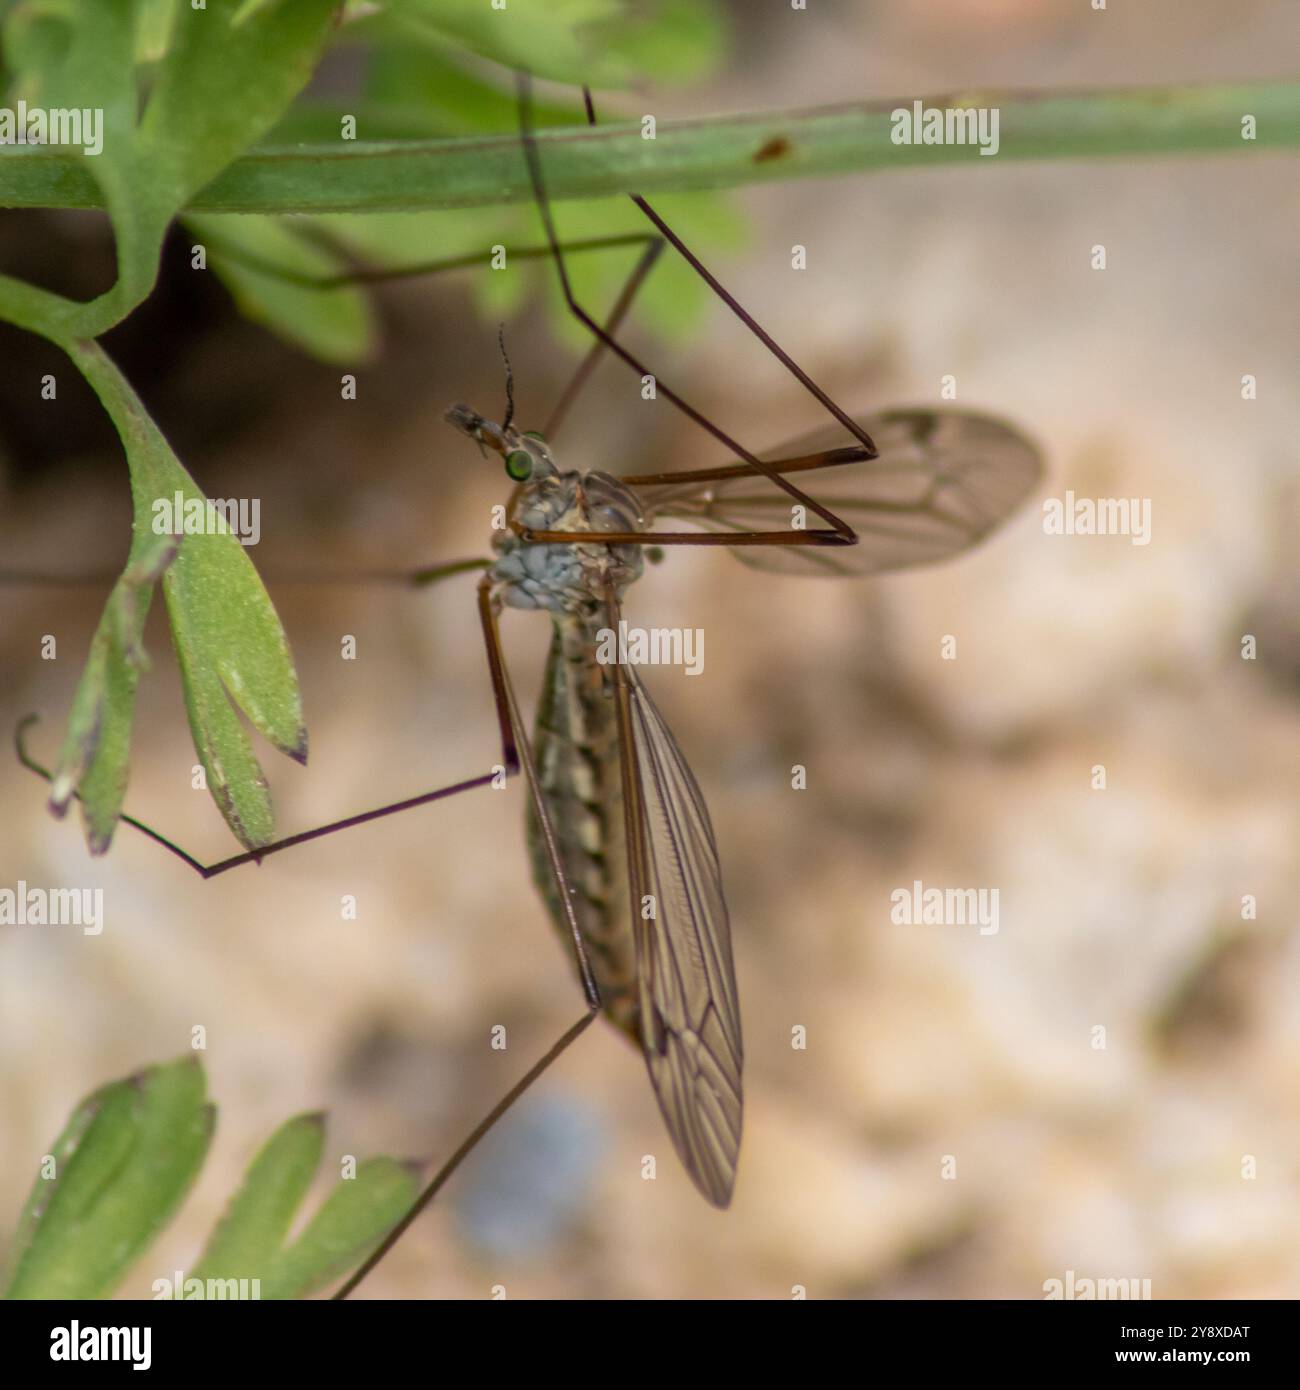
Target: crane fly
619,834
621,844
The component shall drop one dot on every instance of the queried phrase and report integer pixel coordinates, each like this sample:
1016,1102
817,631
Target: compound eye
535,434
519,465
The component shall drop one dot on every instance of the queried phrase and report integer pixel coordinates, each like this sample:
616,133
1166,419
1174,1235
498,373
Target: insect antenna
510,379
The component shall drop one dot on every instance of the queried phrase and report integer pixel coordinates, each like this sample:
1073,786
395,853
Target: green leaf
248,1242
602,43
81,57
559,39
682,41
248,1238
96,753
450,100
225,75
118,1172
228,640
354,1218
229,75
121,1167
335,325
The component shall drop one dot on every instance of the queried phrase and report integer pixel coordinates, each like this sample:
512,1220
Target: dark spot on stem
776,148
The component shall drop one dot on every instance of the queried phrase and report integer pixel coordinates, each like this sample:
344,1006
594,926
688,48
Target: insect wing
944,479
689,1011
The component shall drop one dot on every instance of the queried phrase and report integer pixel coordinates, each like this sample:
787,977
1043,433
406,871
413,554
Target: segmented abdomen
575,745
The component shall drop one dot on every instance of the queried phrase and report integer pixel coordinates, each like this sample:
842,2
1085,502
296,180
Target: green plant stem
717,152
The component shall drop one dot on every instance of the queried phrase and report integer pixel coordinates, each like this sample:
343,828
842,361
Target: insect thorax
568,578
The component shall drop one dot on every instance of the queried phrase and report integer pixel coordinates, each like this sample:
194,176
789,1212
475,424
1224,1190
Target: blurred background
952,1129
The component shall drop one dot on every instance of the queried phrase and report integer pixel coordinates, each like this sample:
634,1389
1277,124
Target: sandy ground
957,1125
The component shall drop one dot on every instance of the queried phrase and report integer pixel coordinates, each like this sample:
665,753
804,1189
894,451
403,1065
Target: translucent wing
689,1012
943,480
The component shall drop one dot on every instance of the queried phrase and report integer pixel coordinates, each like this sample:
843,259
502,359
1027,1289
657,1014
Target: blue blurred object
529,1179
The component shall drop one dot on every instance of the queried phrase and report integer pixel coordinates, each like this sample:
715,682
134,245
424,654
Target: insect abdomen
575,745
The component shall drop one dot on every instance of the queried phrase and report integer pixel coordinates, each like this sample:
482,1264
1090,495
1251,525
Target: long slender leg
681,537
509,760
753,325
800,463
588,364
408,578
612,323
403,578
439,1179
564,893
738,309
840,532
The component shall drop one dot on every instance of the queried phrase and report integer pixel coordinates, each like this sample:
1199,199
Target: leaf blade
123,1164
247,1239
228,638
353,1219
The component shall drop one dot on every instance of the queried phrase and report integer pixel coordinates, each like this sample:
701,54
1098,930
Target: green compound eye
519,465
535,434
